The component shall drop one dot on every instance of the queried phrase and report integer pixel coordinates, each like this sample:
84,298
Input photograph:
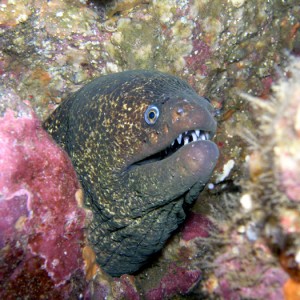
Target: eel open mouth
183,139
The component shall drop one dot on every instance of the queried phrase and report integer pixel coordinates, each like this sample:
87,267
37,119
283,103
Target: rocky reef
40,247
271,198
241,240
259,244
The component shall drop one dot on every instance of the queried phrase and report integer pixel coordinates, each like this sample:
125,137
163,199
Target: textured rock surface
280,159
220,47
177,280
265,230
41,223
213,45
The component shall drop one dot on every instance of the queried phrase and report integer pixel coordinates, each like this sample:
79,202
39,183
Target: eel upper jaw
183,139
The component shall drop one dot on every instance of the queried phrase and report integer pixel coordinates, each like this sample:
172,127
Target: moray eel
140,143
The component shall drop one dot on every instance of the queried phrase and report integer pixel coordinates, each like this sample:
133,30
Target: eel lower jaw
182,140
171,177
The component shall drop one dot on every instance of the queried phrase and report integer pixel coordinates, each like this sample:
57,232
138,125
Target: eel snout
185,153
183,122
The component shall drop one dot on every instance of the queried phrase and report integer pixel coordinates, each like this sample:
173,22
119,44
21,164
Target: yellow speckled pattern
136,202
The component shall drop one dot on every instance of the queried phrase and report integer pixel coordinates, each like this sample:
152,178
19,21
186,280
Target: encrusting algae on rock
40,246
275,187
49,49
262,237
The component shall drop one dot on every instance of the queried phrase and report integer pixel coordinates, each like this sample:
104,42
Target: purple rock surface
41,223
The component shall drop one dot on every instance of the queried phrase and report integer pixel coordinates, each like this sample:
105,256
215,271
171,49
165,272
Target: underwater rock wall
271,197
50,48
222,48
41,218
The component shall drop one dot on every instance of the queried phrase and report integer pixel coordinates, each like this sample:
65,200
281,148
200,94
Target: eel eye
151,114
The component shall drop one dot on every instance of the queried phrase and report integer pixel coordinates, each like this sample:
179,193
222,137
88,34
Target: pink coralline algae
240,278
124,288
176,281
197,225
220,48
262,258
41,221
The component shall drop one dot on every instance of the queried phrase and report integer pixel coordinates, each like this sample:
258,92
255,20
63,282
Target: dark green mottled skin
102,127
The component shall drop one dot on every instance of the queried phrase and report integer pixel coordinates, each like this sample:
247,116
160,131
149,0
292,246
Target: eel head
140,142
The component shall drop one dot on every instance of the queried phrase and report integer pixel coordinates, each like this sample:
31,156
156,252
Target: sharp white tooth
179,139
186,140
207,135
194,136
173,143
203,138
197,132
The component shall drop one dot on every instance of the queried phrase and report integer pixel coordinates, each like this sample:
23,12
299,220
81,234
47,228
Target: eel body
140,144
